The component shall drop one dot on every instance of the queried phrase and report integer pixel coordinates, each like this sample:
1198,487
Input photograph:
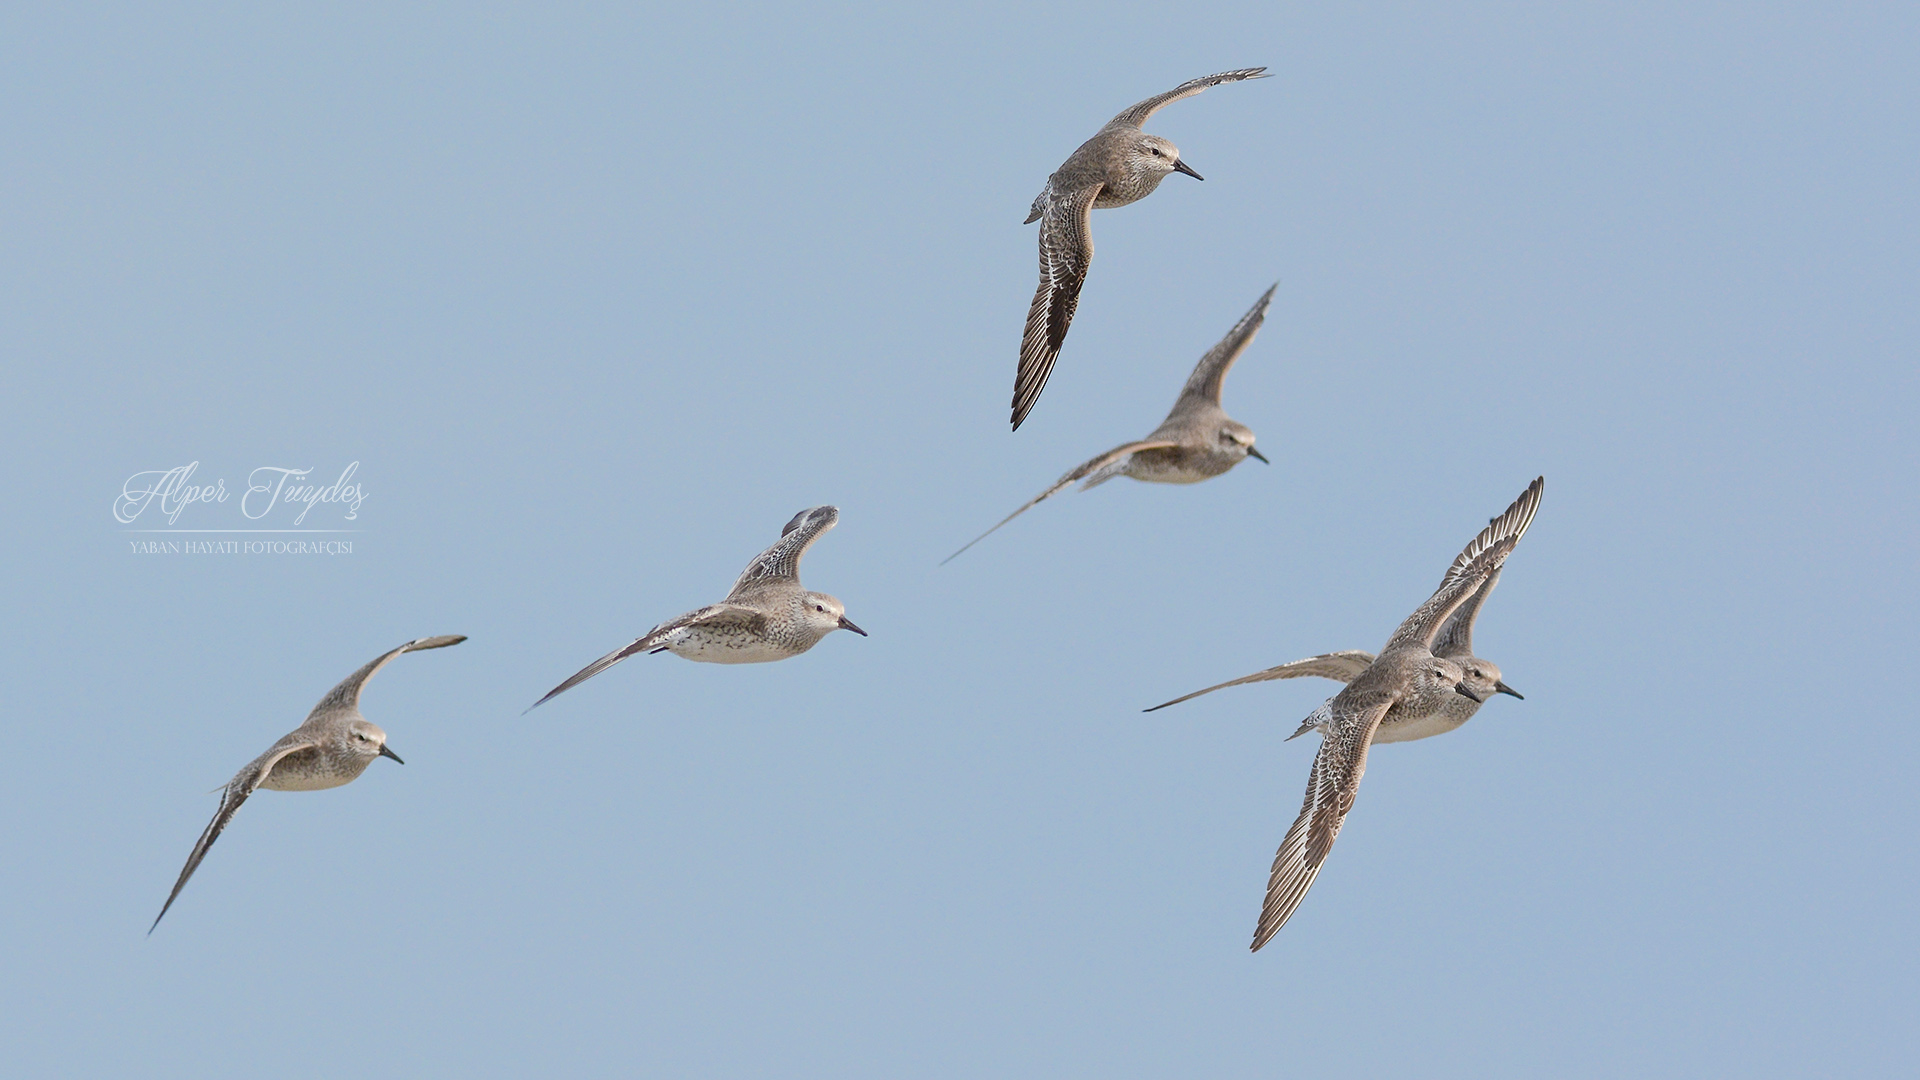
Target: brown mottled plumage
766,617
1197,440
332,747
1403,723
1119,165
1406,673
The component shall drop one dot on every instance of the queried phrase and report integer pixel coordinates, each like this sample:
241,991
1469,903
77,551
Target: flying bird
1119,165
1403,723
767,616
1406,675
333,747
1197,440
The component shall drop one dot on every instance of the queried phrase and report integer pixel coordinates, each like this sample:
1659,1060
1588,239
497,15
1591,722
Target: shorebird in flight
767,616
1121,164
1406,675
1197,440
333,747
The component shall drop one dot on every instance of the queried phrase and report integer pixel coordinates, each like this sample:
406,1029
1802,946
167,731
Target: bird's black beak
847,624
1252,453
1503,688
386,751
1462,690
1181,166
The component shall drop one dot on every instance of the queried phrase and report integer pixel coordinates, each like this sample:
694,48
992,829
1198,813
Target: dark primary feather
781,562
1066,250
1511,523
244,784
1331,787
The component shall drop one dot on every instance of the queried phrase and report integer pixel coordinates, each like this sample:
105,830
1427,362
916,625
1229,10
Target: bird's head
1236,439
1483,678
1156,157
364,739
825,614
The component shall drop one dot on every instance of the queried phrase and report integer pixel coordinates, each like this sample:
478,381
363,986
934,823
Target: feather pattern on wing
1136,115
244,783
1331,788
1066,250
781,562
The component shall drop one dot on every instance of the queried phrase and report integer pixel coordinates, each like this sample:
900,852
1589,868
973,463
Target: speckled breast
1447,718
733,648
309,770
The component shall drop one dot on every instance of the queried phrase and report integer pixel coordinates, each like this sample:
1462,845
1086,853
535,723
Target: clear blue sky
599,299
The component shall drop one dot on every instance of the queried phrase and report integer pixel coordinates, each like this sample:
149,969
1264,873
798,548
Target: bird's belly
1438,722
730,649
1161,467
306,776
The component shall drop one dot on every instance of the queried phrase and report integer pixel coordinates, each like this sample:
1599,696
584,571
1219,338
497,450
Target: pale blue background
600,299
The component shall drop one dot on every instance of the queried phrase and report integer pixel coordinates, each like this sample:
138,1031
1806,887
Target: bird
1121,164
332,747
1401,724
1197,440
766,617
1405,674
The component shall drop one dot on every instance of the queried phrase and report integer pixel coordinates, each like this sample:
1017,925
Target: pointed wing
1138,114
1107,461
653,641
1340,666
243,784
1208,375
346,696
1511,524
1479,560
1066,250
781,562
1331,788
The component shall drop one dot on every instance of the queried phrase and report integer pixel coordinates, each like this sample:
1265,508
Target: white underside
1424,728
304,781
729,650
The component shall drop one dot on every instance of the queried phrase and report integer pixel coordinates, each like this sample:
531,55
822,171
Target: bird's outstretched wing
1066,250
1109,463
1211,372
1455,637
1137,115
781,562
1340,666
346,696
1479,560
243,784
1511,524
1331,788
652,641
